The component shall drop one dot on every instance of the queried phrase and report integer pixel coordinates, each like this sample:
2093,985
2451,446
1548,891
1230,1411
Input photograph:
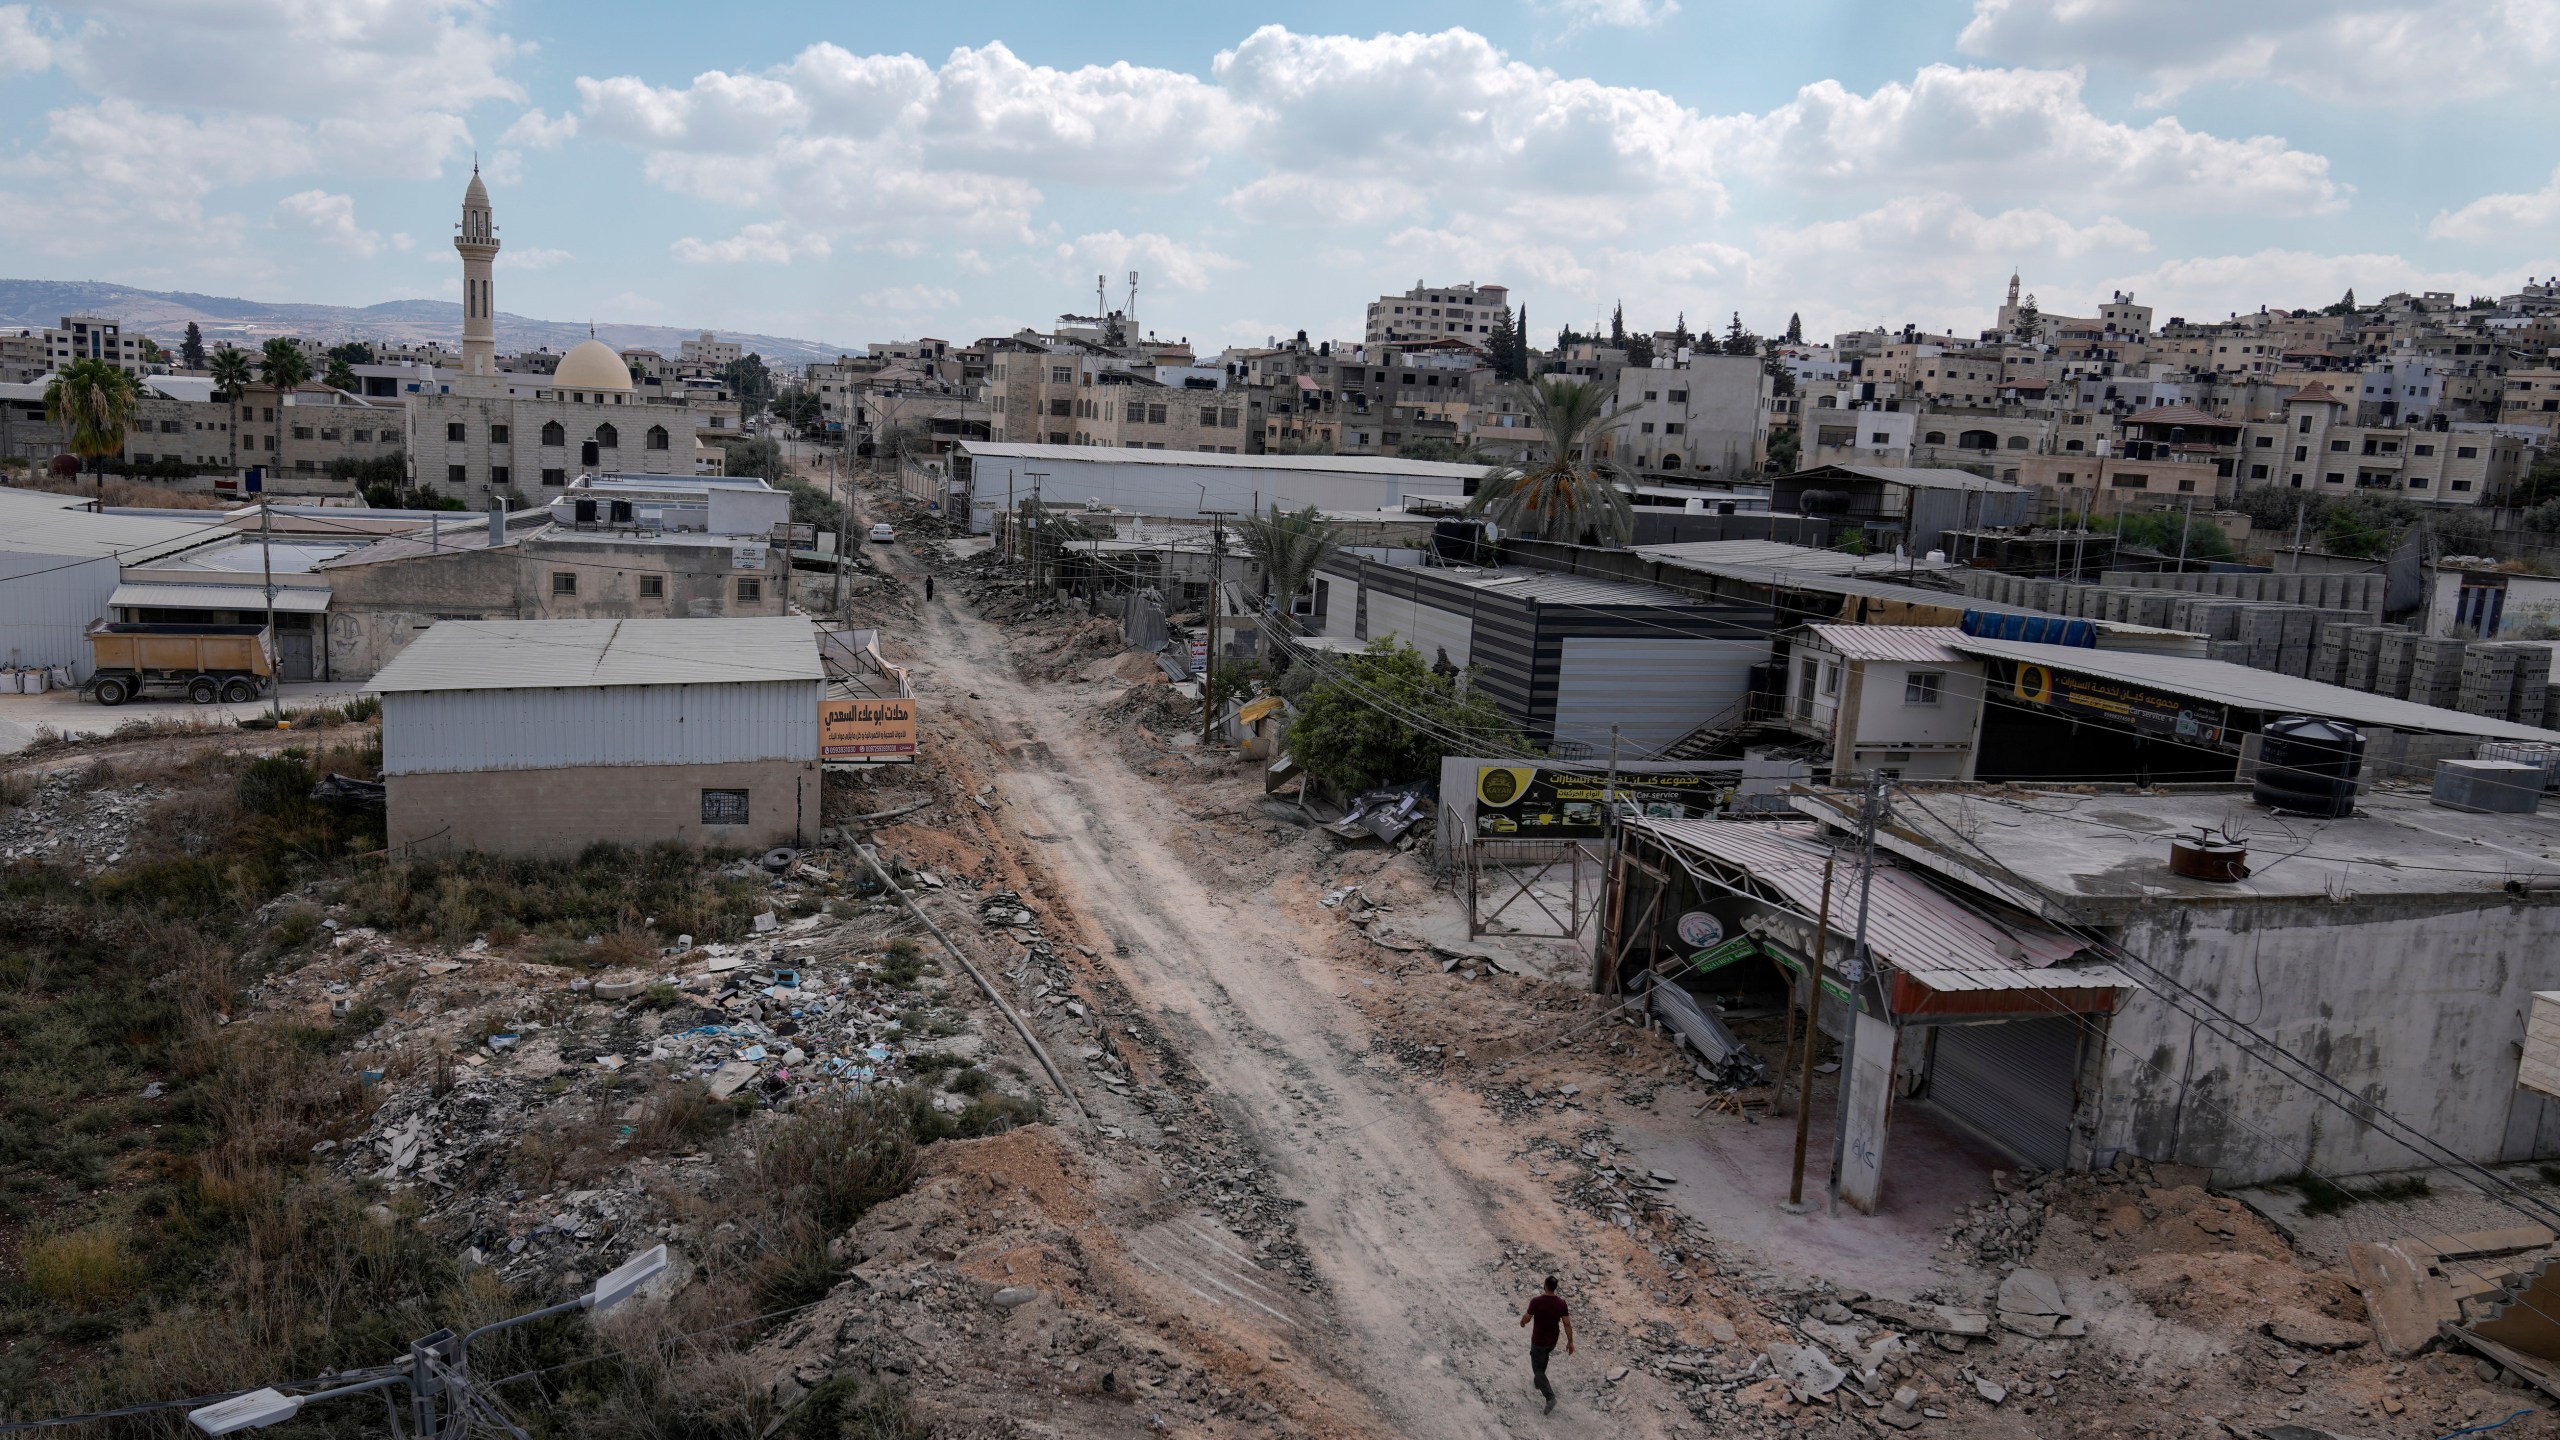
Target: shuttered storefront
2012,1082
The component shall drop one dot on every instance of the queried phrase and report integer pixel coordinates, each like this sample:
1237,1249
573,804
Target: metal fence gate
1546,889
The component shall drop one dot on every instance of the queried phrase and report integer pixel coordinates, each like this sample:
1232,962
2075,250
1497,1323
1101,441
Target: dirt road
1408,1198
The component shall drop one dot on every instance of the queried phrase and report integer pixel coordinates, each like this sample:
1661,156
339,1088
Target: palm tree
341,376
282,364
1291,546
96,403
229,367
1571,494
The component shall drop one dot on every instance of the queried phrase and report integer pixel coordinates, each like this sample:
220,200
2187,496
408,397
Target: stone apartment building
22,358
1437,312
518,437
296,435
92,337
2531,397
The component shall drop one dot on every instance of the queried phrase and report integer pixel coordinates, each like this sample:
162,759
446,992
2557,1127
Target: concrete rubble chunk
621,989
1929,1319
2405,1300
729,1078
1012,1296
2034,1327
2031,1292
1990,1391
1805,1368
765,924
2312,1331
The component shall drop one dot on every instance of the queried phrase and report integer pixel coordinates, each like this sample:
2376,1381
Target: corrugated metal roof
1382,465
1923,477
1911,925
1926,644
2251,689
36,523
549,654
217,597
1767,555
1550,587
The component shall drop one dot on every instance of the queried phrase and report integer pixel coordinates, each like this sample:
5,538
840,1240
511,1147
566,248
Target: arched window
1670,462
552,434
1977,440
2072,445
2017,442
1934,437
657,437
607,438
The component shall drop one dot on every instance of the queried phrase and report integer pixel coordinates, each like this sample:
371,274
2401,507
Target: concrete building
1900,505
1889,699
92,337
708,352
1705,418
1437,312
544,737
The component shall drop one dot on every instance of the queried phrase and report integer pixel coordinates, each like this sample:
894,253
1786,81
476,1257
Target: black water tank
586,510
1823,502
2308,766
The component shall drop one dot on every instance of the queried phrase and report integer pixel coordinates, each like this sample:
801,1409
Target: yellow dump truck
205,663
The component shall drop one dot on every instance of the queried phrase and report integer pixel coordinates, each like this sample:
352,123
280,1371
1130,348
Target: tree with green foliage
1385,717
191,348
1502,347
2160,531
152,354
340,376
1640,351
1572,494
757,458
353,352
1786,448
1618,326
2541,483
1680,337
1795,329
282,364
229,366
95,404
1738,341
1290,545
799,408
749,382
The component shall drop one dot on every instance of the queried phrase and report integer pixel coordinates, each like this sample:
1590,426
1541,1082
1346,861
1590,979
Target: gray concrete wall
2416,1008
555,814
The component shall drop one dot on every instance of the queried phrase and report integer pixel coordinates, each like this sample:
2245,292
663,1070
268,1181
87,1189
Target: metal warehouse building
542,737
60,564
1187,482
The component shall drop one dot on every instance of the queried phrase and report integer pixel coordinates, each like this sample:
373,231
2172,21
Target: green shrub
275,784
91,1269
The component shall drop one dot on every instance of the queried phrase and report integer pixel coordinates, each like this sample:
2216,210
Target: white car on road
883,534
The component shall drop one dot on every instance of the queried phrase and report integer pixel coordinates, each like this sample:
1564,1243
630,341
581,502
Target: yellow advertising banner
862,727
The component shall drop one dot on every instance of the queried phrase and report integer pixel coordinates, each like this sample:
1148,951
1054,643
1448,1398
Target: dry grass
89,1269
122,490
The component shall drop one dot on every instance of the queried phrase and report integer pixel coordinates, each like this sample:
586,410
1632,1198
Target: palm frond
1567,494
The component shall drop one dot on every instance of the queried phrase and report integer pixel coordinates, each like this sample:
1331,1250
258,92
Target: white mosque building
527,436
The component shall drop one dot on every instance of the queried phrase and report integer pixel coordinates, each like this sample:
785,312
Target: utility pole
267,567
2298,508
2185,525
1855,973
1040,517
1217,589
1812,1039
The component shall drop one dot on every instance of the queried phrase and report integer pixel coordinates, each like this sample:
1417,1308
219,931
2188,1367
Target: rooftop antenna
1101,296
1133,297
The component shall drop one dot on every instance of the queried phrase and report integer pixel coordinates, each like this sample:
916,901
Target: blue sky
867,174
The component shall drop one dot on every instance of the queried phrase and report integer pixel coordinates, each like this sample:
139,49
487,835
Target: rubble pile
69,820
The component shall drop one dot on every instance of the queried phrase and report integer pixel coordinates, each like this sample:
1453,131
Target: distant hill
163,315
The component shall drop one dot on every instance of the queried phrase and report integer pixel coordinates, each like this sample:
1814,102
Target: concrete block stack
2364,644
2234,652
2361,594
2550,708
2490,678
2435,675
2213,619
2393,661
2329,652
2533,684
2262,630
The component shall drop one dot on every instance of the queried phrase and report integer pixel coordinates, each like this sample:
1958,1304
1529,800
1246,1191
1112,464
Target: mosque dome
592,365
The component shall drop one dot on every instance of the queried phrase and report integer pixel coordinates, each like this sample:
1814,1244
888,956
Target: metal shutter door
2013,1083
1655,691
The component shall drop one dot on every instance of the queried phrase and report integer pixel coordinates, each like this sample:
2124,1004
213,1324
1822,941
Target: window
2426,450
1920,687
2301,453
453,432
2337,478
2266,442
2466,452
1677,397
497,434
1155,414
2257,472
608,438
1227,418
724,807
171,427
2305,426
553,434
653,587
2123,481
1830,679
1058,406
457,475
750,591
1647,427
301,432
499,475
1934,437
657,437
564,582
1062,374
1879,438
1652,395
362,437
2338,446
1675,427
555,477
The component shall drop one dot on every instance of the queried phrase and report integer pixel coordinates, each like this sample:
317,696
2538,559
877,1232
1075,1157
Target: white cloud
531,258
535,130
1629,14
126,162
307,58
754,245
330,219
1122,124
2502,217
1160,260
24,49
2365,52
910,299
2021,134
1300,199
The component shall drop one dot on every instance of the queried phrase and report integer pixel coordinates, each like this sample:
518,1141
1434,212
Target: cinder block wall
554,814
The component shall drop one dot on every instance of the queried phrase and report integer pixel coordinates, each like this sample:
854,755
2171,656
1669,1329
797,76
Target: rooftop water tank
2308,766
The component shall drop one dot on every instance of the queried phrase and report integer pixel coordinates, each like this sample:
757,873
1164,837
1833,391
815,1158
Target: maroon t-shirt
1546,1314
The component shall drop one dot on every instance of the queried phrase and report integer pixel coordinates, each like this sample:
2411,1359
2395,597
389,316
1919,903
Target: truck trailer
205,663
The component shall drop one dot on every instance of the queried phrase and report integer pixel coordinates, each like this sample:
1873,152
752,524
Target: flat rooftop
557,654
2097,854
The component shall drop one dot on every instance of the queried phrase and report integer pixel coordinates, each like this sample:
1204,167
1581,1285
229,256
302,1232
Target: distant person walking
1544,1316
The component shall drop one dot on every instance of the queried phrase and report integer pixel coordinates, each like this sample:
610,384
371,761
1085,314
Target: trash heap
67,822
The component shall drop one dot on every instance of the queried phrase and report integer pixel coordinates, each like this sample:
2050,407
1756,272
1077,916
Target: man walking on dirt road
1544,1315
